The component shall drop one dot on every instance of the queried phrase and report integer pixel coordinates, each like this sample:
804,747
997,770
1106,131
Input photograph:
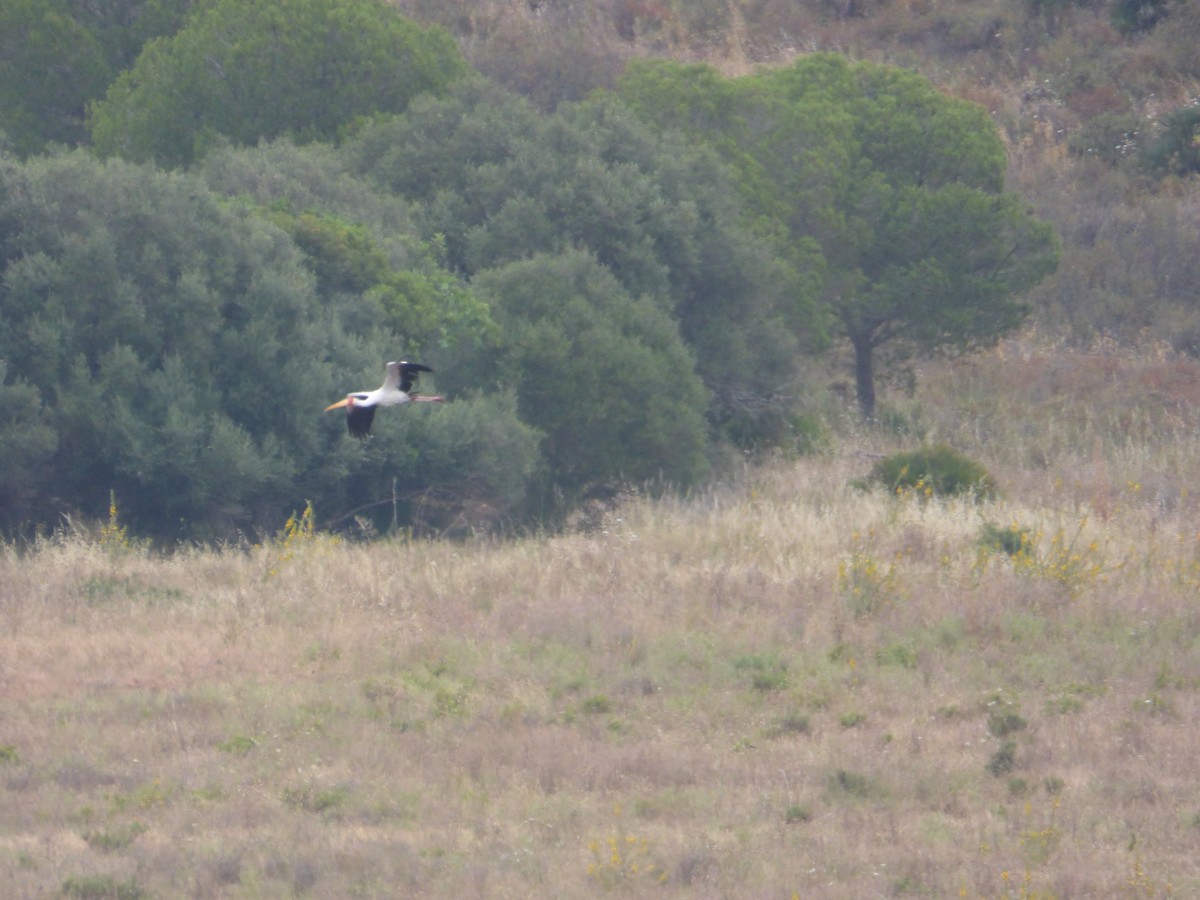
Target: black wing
408,374
359,419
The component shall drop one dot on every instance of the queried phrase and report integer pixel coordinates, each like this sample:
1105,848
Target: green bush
247,71
1176,150
1003,760
1011,539
937,470
1136,16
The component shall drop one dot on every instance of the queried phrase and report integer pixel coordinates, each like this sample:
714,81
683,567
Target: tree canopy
245,71
57,56
501,182
899,186
288,194
602,374
172,347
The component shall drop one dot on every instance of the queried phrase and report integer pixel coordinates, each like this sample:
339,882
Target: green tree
1134,16
501,182
56,56
245,71
602,375
467,467
26,441
171,338
50,66
359,242
899,187
170,346
1176,149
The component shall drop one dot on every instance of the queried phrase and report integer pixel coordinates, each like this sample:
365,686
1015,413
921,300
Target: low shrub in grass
1011,539
936,470
102,887
1004,760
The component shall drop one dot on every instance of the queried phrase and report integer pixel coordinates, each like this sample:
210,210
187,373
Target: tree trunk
864,378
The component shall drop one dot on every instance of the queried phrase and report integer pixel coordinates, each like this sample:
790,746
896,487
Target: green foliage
310,178
899,654
102,887
175,349
56,56
117,838
314,800
238,745
792,723
603,375
893,186
851,784
359,242
424,302
767,671
1010,539
597,704
851,719
26,439
501,183
1004,760
1005,721
150,318
49,67
797,814
1176,150
1133,16
935,470
246,71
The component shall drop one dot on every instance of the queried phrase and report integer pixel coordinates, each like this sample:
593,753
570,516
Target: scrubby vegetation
938,469
649,607
781,686
390,201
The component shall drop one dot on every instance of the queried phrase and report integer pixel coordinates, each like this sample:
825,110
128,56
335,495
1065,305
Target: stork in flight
396,389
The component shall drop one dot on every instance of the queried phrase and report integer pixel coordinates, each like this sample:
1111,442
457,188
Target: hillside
781,686
240,211
777,683
1096,100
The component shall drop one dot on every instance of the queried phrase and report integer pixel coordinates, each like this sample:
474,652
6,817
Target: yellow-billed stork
396,389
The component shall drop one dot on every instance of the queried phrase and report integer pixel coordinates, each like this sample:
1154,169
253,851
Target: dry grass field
785,686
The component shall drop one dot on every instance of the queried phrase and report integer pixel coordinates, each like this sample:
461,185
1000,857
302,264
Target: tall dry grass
783,686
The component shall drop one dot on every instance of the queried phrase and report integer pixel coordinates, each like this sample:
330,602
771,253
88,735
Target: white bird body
397,388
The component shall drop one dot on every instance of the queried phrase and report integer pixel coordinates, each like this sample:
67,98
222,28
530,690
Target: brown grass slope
785,686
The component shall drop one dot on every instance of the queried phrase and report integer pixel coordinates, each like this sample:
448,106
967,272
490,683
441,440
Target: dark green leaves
897,184
244,71
602,374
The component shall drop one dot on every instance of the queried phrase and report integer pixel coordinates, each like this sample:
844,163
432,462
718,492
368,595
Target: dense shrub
245,71
167,347
501,182
935,470
1176,150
